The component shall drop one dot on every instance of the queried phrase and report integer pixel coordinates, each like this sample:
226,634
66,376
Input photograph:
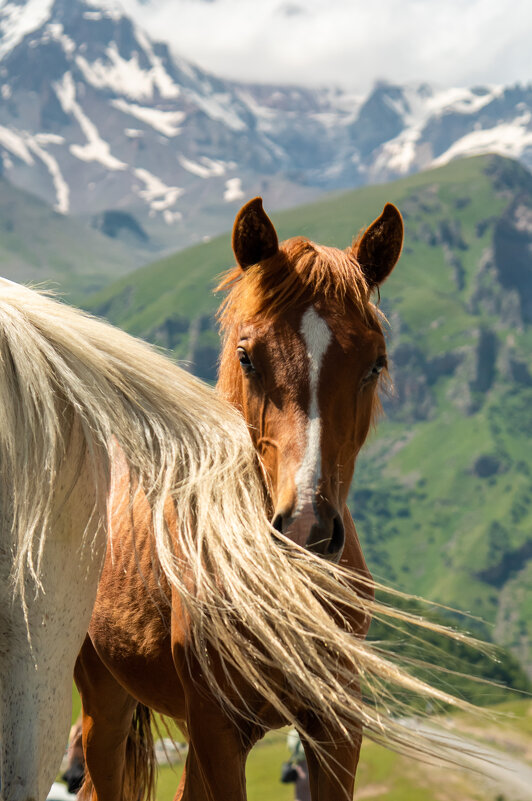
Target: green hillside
442,494
38,244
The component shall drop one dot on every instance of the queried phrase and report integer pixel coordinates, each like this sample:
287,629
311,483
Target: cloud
348,42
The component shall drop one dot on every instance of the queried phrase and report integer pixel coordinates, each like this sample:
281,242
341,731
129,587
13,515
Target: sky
349,43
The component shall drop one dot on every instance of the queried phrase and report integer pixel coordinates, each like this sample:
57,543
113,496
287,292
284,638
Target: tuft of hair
141,763
272,615
299,272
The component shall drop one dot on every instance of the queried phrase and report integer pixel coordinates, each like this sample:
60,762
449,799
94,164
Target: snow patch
262,112
6,91
127,77
133,133
96,148
159,196
345,102
165,122
62,190
121,76
417,107
49,139
166,86
506,139
233,190
209,168
218,107
15,144
20,146
170,217
54,30
110,8
185,67
399,154
17,21
464,101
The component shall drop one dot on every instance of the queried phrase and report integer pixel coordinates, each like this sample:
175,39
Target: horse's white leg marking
36,680
317,337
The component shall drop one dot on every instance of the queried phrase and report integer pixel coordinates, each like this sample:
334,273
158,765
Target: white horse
73,392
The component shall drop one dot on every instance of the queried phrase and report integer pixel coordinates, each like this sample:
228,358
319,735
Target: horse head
303,354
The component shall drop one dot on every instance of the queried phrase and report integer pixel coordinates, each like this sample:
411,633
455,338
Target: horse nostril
337,540
322,536
277,523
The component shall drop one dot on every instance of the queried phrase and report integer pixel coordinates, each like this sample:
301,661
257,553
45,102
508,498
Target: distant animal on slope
302,357
75,770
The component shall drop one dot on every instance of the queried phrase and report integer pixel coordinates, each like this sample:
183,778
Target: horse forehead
298,344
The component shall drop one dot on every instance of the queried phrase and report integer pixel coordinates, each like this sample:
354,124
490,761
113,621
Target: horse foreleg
218,745
37,655
332,771
107,718
216,759
35,703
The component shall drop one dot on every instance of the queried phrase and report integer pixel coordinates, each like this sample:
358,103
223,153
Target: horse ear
378,249
254,237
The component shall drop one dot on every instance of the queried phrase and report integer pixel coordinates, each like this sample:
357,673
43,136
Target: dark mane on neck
300,272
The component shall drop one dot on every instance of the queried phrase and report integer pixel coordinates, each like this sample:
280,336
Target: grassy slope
37,244
427,523
437,529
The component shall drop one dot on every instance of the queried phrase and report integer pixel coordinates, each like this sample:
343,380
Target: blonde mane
269,612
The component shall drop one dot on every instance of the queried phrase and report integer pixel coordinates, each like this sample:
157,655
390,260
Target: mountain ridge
97,117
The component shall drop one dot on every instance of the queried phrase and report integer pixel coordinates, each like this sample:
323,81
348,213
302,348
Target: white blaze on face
316,336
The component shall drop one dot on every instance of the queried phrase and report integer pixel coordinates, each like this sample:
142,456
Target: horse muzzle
321,532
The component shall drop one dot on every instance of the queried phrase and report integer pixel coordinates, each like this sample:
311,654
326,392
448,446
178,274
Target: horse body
303,351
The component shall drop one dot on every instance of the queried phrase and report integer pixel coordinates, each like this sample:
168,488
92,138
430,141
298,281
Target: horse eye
377,368
244,360
379,365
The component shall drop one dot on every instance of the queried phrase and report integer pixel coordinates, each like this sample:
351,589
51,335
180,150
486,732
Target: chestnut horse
81,401
303,352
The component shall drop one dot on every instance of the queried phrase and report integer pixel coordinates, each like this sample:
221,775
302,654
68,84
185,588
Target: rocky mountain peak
97,117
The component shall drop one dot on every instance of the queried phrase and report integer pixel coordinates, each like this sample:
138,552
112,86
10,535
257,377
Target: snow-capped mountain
96,116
